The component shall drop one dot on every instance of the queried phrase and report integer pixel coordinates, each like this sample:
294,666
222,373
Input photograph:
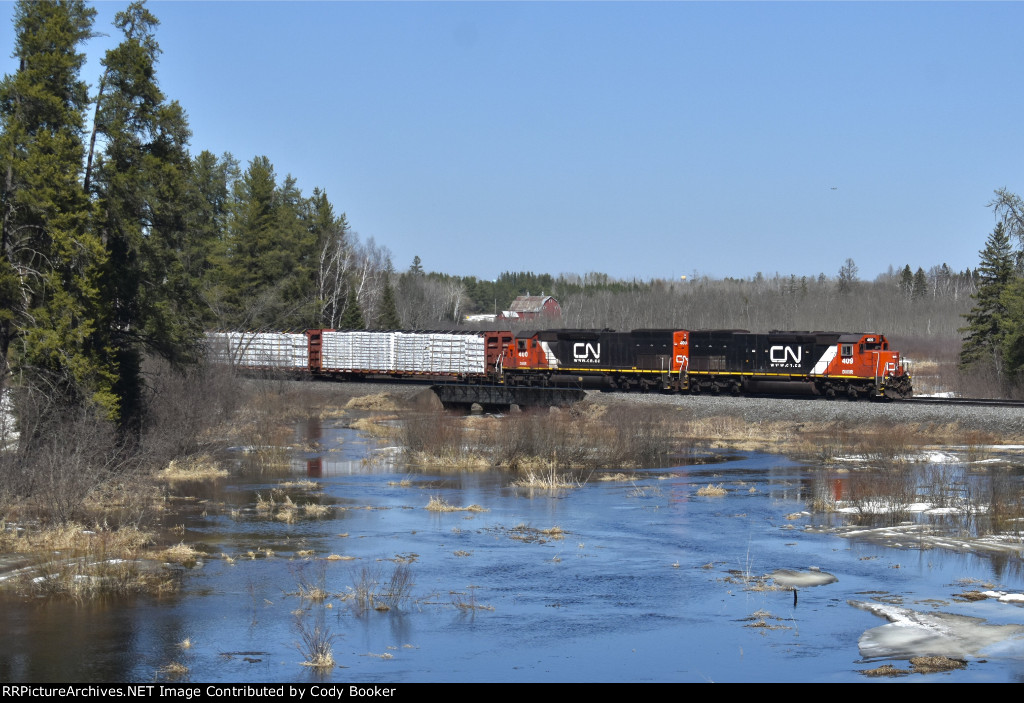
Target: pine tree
919,286
268,274
389,318
210,182
141,185
1011,326
986,329
249,245
49,258
352,319
907,281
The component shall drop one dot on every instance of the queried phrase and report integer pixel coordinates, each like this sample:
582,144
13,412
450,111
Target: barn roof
530,303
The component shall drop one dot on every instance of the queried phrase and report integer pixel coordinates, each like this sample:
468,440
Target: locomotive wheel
851,392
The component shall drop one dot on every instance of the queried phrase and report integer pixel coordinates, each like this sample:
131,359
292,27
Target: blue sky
637,139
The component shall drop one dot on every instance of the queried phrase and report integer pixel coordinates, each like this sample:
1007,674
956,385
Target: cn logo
585,351
782,355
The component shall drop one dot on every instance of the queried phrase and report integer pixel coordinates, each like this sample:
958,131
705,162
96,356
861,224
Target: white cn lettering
781,354
585,350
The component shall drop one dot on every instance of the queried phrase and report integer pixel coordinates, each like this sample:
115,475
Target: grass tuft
316,642
440,505
197,468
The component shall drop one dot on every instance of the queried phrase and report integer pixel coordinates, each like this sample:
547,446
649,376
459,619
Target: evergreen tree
1011,330
250,243
389,318
210,182
268,275
49,258
919,286
907,281
986,329
141,185
352,319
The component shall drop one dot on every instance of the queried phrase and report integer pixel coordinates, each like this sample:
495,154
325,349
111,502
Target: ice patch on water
911,633
791,578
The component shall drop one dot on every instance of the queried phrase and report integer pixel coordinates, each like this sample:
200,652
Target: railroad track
976,402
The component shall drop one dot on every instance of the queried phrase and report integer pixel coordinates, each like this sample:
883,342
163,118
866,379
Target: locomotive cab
862,365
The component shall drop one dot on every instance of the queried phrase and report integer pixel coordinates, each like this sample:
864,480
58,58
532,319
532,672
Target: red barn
529,307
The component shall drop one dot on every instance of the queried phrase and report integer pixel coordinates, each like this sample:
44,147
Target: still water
643,580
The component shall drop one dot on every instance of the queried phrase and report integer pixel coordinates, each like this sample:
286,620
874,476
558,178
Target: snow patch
911,633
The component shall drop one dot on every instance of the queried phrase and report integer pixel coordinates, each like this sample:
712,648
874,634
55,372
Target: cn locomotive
829,364
702,361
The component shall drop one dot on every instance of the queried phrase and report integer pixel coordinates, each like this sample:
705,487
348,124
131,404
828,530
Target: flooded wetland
348,562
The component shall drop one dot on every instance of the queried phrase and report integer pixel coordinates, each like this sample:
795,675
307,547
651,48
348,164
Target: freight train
829,364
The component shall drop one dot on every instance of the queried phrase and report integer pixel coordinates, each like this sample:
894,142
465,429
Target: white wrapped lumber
259,350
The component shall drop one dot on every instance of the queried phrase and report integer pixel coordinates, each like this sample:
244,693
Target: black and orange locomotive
703,361
830,364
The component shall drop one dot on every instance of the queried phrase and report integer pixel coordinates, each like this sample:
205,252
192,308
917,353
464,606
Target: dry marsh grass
301,485
73,537
173,670
542,441
71,561
764,620
555,532
376,401
440,505
311,582
180,553
377,426
450,461
712,490
467,602
316,642
197,468
316,511
525,533
547,480
373,590
919,665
